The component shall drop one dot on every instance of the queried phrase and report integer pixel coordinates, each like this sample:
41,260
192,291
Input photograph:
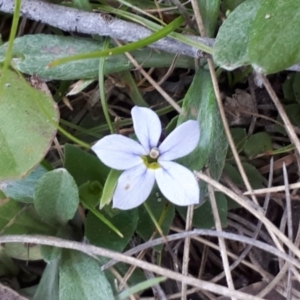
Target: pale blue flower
146,162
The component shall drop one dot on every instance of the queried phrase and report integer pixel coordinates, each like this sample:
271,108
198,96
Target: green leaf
27,116
258,143
255,178
293,113
200,103
203,217
84,166
7,265
109,187
162,210
22,189
90,192
56,197
101,235
231,45
209,12
48,288
32,54
273,38
253,175
80,277
19,219
230,5
239,136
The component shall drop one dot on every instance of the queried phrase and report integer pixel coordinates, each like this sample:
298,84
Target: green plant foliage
254,177
293,113
203,217
231,45
33,53
162,210
200,103
80,277
109,187
239,136
209,12
16,218
48,288
273,40
58,204
258,143
101,235
24,143
84,166
22,189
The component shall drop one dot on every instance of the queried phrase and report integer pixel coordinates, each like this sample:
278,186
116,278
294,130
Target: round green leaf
231,45
80,277
258,143
27,130
101,235
56,197
274,39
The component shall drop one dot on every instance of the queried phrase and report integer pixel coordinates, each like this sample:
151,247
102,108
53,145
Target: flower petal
181,141
134,187
119,152
177,183
147,126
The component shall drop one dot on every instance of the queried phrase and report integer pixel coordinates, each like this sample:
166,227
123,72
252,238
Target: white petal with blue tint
177,183
180,142
119,152
147,126
134,187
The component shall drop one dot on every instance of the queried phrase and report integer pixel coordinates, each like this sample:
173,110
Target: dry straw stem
275,189
254,210
212,198
93,250
74,20
288,125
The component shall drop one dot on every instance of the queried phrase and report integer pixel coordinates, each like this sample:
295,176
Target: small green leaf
253,175
80,277
258,143
239,136
84,166
101,235
90,192
231,45
56,197
273,40
109,187
293,113
27,116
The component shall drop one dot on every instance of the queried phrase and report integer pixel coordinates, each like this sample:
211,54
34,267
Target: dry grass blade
152,81
186,249
256,211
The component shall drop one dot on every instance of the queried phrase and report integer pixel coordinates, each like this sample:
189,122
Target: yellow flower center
150,160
